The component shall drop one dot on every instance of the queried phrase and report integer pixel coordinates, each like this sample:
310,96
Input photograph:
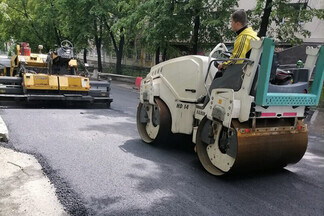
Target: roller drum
257,149
154,122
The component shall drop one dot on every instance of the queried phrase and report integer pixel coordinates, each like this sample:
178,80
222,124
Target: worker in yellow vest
245,34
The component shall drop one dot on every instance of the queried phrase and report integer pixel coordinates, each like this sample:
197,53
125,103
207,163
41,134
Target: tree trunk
56,30
57,35
84,55
195,35
98,46
164,54
118,50
157,56
118,63
119,53
265,18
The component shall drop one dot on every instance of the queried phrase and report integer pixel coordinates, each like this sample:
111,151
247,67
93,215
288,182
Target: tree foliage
160,26
166,24
285,20
25,21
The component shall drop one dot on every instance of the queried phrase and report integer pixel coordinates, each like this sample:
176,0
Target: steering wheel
65,45
228,54
223,54
221,47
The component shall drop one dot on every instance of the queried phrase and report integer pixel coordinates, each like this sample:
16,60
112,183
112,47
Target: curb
122,78
4,136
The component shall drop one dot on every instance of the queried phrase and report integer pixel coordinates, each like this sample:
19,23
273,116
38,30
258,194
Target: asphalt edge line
4,134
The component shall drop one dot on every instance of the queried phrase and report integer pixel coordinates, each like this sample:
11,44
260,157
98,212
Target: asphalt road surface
99,166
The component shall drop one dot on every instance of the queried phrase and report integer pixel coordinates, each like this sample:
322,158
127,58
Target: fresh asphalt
99,166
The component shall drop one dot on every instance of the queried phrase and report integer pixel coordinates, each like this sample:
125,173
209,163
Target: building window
129,54
148,57
113,55
138,54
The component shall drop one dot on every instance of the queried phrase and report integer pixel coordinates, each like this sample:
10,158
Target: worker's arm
239,51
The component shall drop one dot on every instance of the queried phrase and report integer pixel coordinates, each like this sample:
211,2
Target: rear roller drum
153,122
222,150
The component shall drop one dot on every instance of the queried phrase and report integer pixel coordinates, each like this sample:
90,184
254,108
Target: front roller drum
242,152
153,122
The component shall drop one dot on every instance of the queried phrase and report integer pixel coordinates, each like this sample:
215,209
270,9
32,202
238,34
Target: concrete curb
4,135
122,78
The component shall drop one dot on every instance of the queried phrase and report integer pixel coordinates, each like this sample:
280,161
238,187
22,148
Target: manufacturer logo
40,78
184,106
200,112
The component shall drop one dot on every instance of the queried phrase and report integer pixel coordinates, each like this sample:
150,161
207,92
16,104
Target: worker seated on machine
242,47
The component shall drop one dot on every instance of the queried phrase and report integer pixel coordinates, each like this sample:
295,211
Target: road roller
248,118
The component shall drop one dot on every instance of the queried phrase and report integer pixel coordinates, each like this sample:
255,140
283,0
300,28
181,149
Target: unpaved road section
24,189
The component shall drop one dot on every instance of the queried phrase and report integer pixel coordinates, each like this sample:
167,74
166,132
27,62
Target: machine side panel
182,114
74,83
184,76
40,82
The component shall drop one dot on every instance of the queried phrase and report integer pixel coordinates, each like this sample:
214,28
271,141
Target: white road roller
243,120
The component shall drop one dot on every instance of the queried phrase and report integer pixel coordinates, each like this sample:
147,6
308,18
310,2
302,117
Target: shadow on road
183,187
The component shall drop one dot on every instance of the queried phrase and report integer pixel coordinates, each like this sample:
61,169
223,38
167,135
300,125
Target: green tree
25,21
118,20
211,21
288,17
76,23
159,24
194,22
81,22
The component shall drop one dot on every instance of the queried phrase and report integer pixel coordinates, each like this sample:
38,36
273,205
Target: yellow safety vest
242,45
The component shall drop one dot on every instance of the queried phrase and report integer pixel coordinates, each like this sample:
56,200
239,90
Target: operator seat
298,83
231,79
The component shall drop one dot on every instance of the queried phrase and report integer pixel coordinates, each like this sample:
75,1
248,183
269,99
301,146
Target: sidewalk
24,189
